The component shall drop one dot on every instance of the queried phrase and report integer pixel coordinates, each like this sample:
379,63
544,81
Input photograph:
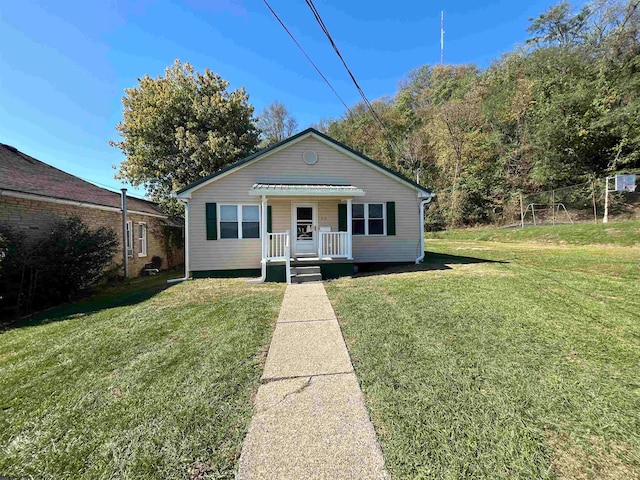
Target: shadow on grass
432,261
123,295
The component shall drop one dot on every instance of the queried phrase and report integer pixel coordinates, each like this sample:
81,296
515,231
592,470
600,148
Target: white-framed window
368,219
142,239
129,238
239,221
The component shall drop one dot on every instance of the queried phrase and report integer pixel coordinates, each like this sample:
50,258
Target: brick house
35,195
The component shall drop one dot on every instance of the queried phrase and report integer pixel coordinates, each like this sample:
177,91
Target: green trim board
276,273
336,270
376,266
234,273
291,139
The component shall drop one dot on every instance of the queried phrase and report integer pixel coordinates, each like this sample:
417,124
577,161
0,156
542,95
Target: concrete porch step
306,277
307,269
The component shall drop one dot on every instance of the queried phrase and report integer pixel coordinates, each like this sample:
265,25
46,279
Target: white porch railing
279,248
333,244
277,245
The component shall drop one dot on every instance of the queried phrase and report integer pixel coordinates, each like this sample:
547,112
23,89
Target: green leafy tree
275,124
180,127
559,26
557,111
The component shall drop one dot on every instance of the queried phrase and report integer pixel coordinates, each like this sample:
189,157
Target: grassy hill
515,357
626,233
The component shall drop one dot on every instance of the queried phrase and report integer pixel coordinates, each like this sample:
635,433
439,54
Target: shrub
73,257
14,255
67,261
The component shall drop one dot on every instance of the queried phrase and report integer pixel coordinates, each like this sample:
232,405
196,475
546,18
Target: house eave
43,198
291,141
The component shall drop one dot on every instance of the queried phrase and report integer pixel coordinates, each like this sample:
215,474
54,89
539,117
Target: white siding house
307,198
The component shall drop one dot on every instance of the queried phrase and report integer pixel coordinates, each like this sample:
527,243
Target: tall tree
559,26
180,127
276,124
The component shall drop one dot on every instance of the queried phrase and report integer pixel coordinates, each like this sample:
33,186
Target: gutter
263,243
186,244
42,198
422,204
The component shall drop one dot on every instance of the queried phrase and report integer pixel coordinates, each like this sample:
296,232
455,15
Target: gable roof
299,136
23,174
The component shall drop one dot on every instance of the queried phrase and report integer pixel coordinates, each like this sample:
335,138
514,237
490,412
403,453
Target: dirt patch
199,470
573,357
5,356
599,459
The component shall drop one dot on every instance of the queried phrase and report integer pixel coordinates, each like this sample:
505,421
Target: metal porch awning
314,190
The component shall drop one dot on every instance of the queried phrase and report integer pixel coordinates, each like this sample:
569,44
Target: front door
304,226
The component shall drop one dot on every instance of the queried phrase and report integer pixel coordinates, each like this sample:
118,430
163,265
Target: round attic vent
310,157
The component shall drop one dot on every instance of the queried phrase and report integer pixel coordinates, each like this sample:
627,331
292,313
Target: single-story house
35,195
305,206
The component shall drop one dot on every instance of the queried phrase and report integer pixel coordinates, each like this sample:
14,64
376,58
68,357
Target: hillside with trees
560,109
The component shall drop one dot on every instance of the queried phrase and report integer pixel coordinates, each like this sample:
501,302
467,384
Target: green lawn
135,383
615,233
501,360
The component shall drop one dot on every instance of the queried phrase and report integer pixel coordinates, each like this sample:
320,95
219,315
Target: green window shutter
391,218
269,229
342,217
212,222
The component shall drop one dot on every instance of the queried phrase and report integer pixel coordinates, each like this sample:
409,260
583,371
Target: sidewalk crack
300,389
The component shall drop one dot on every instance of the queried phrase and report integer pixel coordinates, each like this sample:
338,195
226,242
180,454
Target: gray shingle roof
22,173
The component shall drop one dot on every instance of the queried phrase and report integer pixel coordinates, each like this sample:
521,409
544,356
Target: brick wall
35,218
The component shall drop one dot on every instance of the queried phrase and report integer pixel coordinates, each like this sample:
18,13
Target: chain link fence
580,203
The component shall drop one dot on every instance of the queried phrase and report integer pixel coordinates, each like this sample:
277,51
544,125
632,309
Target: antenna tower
442,37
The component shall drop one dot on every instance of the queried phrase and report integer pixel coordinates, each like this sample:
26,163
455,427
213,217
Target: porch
312,253
307,230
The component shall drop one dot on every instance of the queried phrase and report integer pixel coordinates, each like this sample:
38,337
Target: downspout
263,236
186,244
422,204
125,258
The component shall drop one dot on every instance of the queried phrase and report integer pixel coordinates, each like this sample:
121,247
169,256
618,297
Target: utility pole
595,205
606,201
442,37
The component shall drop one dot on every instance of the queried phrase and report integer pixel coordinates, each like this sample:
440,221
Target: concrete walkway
310,420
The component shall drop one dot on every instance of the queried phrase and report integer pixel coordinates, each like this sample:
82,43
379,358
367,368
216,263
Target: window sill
140,255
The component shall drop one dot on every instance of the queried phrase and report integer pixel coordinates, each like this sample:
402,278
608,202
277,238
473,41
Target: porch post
264,228
349,228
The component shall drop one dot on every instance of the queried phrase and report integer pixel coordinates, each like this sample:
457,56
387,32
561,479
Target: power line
316,14
349,111
324,28
306,55
110,188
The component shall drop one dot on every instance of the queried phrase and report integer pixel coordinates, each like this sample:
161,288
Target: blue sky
64,65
